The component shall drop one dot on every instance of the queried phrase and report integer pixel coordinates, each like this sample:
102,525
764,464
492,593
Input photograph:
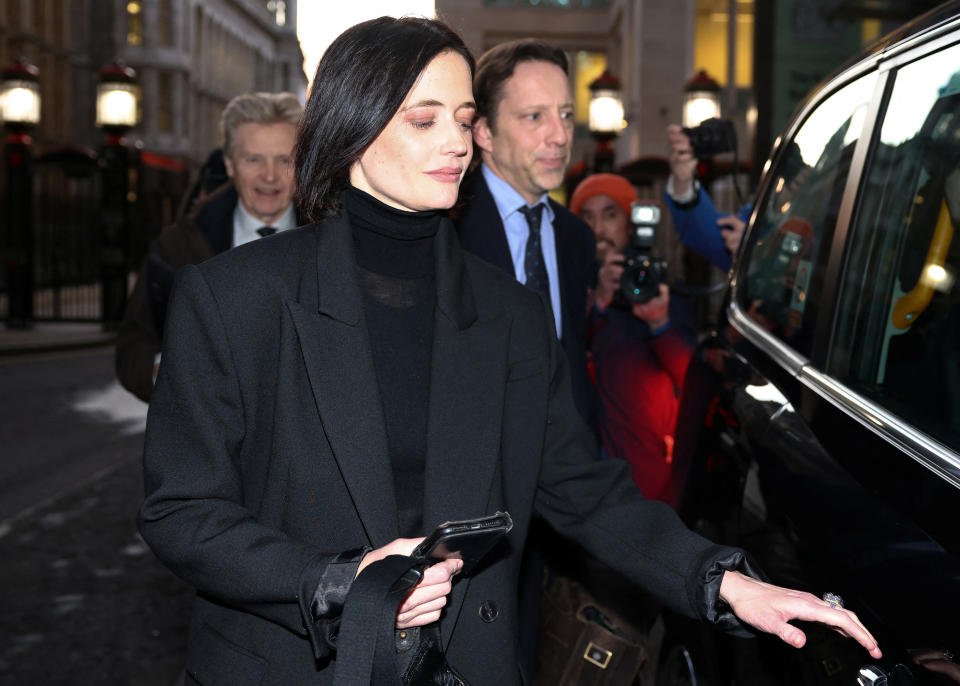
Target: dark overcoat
204,233
266,455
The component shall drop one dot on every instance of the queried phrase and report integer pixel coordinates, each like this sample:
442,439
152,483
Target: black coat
482,233
266,455
206,232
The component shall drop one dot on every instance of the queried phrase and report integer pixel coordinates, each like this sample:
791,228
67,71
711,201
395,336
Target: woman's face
418,160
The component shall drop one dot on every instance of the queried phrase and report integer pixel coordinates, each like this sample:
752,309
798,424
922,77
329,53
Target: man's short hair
497,64
258,108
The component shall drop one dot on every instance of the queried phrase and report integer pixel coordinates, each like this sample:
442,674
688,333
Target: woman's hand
425,601
770,608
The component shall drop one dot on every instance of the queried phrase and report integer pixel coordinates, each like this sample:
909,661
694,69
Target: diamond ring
833,600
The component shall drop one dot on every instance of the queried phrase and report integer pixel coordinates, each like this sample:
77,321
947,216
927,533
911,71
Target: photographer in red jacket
640,350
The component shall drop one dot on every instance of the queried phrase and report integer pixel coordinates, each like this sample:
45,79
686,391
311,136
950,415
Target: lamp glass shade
20,102
606,112
700,105
116,104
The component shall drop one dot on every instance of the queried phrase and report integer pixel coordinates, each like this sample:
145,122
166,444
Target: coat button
489,611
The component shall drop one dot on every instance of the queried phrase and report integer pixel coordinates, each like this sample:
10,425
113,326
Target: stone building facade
191,58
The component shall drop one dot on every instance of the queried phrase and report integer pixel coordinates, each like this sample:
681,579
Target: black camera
712,137
642,272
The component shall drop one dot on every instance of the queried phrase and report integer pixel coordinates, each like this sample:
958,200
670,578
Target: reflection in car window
898,332
791,237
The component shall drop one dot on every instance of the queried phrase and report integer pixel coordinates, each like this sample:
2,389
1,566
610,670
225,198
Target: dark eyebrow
423,103
469,104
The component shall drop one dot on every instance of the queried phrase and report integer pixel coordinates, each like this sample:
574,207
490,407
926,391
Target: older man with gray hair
258,132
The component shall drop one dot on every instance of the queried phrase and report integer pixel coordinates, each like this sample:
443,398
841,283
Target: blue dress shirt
509,202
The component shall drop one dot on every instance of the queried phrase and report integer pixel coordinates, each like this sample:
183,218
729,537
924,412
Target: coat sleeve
138,342
696,227
596,503
193,515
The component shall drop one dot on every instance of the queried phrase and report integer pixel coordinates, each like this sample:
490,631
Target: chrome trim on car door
924,449
767,342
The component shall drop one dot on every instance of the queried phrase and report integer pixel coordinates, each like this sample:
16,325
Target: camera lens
641,280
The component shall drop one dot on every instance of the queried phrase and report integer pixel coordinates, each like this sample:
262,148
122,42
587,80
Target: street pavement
47,336
84,601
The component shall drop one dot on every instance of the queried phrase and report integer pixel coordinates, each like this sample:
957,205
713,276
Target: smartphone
468,540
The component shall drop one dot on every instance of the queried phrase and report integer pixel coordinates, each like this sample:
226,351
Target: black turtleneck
396,270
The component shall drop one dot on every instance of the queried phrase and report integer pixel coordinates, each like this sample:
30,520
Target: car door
823,438
753,463
892,365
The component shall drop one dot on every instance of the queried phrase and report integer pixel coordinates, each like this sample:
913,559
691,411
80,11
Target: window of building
712,40
587,66
279,10
134,23
164,103
899,317
790,241
165,22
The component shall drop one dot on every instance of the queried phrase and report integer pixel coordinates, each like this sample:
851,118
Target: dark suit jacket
266,455
482,233
206,232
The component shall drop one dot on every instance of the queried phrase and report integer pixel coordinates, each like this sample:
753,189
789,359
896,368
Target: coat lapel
336,350
468,371
466,402
480,227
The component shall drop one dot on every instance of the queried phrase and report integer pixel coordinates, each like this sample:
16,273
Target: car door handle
871,675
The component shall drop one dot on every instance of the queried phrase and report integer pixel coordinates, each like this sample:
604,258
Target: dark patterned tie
265,231
535,269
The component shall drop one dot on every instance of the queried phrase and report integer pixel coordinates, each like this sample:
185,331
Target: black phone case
468,540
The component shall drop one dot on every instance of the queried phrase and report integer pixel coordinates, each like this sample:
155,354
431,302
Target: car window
790,240
898,330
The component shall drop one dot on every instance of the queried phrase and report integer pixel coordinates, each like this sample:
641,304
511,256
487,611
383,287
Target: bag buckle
596,655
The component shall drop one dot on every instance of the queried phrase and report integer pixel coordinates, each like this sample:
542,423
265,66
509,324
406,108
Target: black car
820,423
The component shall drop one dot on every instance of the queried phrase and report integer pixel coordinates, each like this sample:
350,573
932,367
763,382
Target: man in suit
523,133
258,131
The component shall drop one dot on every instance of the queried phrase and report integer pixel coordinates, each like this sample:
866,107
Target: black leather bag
370,650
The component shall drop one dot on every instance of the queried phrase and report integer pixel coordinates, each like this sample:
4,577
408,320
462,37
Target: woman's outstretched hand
425,601
770,608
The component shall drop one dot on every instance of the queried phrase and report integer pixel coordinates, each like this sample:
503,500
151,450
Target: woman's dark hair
360,84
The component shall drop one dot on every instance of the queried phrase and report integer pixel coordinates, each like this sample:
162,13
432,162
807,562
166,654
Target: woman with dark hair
331,393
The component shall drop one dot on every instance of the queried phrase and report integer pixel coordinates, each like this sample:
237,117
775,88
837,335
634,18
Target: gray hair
258,108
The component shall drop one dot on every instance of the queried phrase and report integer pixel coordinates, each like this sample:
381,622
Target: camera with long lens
712,137
642,271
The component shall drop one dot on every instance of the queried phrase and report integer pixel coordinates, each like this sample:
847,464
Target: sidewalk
46,336
84,600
